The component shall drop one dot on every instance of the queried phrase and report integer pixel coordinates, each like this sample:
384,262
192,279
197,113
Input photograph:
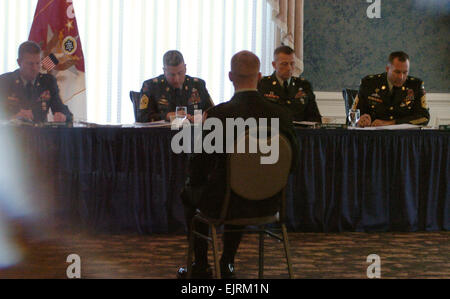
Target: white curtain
124,41
288,16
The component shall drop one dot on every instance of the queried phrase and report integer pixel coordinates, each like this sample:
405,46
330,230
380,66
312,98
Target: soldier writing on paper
392,97
27,94
160,96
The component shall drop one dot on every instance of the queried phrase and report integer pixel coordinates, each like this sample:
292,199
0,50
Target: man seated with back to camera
160,96
206,183
27,94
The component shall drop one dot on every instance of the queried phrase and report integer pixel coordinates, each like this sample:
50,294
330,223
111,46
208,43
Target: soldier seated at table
293,93
27,94
392,97
160,96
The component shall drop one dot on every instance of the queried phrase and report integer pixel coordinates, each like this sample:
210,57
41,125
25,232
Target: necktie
395,93
29,91
286,87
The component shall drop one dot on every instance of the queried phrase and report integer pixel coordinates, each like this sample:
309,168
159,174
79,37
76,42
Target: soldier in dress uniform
392,97
294,93
160,96
27,94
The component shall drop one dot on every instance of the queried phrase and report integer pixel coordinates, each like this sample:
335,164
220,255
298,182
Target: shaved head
245,64
245,70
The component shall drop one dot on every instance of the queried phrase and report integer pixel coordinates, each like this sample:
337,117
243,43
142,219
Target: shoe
198,272
227,271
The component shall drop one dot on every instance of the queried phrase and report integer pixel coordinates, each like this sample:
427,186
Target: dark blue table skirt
128,180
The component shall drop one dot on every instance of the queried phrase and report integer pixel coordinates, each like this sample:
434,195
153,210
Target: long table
128,179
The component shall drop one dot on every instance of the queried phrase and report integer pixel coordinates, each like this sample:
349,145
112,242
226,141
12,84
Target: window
124,42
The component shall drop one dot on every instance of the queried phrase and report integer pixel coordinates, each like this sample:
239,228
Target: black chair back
135,98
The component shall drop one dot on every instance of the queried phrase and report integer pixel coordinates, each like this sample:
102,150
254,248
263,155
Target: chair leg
287,251
190,250
261,255
215,251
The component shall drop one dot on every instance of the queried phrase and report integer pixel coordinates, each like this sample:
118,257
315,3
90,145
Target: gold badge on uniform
195,97
144,102
274,83
383,87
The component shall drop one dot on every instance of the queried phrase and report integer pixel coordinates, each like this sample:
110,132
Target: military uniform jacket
158,98
299,98
44,94
406,105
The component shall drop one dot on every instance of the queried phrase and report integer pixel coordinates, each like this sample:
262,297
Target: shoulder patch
144,102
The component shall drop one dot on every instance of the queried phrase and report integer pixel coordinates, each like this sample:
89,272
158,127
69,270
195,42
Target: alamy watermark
374,10
74,269
374,269
215,141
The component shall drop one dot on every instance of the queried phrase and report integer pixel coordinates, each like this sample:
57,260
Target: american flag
50,62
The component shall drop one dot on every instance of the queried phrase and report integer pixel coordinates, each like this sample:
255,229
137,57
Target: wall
342,45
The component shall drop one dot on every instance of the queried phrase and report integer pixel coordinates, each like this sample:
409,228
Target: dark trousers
231,240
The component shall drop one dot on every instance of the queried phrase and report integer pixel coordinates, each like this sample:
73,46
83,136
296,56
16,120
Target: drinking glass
353,116
181,114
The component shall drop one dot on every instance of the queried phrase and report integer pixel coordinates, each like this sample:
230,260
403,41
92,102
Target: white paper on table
155,124
391,127
305,123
